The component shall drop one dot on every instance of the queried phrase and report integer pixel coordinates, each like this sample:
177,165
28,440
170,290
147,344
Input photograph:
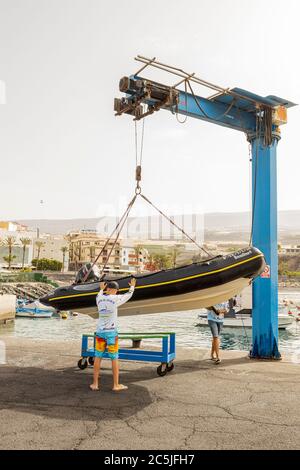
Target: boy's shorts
107,340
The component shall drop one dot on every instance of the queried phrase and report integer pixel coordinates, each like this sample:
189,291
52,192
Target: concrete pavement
45,402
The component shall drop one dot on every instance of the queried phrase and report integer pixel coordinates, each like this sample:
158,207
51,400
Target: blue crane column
265,289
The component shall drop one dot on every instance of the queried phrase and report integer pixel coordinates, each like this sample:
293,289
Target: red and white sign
266,274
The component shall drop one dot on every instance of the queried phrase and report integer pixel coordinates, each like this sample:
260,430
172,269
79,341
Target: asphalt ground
45,402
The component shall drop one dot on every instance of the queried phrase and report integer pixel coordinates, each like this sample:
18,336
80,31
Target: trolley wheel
82,363
91,360
162,370
170,366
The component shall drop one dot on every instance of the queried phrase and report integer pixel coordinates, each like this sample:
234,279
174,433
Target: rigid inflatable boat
194,286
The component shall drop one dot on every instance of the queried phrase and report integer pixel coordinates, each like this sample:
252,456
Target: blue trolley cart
165,355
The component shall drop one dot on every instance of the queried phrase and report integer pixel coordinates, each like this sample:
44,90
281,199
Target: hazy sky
61,61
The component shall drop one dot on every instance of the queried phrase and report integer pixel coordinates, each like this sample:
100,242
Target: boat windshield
83,287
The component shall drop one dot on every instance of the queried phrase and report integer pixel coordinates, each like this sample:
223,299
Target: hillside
239,222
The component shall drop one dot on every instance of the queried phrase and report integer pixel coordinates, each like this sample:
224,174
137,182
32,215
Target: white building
17,248
134,257
51,248
290,250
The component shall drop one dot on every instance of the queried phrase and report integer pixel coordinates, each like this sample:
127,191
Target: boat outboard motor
94,274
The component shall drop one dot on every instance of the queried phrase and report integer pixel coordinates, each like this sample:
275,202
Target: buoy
64,315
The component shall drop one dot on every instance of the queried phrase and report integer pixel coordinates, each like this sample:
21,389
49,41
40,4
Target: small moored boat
33,309
244,320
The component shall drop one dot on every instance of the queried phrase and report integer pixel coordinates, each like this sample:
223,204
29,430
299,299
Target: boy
107,333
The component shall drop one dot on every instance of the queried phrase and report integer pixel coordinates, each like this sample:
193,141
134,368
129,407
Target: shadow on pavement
65,394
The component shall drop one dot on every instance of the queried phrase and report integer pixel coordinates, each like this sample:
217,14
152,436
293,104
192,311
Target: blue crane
260,119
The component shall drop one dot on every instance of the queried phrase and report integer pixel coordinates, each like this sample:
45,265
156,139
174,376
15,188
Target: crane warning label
266,274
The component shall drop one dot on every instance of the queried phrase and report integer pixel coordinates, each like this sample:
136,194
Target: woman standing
215,317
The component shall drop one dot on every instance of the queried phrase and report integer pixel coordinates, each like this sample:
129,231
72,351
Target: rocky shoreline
26,290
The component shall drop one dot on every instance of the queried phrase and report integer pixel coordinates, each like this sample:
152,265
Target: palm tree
64,250
175,252
25,242
9,242
39,244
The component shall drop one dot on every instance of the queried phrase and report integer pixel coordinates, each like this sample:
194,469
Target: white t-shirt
108,309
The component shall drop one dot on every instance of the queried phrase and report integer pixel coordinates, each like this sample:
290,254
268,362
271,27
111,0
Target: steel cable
175,225
123,217
202,110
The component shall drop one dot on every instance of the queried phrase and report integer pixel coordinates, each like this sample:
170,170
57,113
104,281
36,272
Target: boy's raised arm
100,293
125,297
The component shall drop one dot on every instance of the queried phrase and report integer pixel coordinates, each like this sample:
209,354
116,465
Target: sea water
184,324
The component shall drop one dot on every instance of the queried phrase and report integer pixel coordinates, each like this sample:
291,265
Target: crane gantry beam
157,96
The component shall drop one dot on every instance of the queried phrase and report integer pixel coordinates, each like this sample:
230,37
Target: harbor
149,230
184,324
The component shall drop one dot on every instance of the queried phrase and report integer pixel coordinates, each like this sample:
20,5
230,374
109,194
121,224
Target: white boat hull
176,303
34,309
242,321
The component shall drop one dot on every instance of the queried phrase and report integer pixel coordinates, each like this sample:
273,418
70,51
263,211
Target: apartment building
290,250
134,256
86,245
